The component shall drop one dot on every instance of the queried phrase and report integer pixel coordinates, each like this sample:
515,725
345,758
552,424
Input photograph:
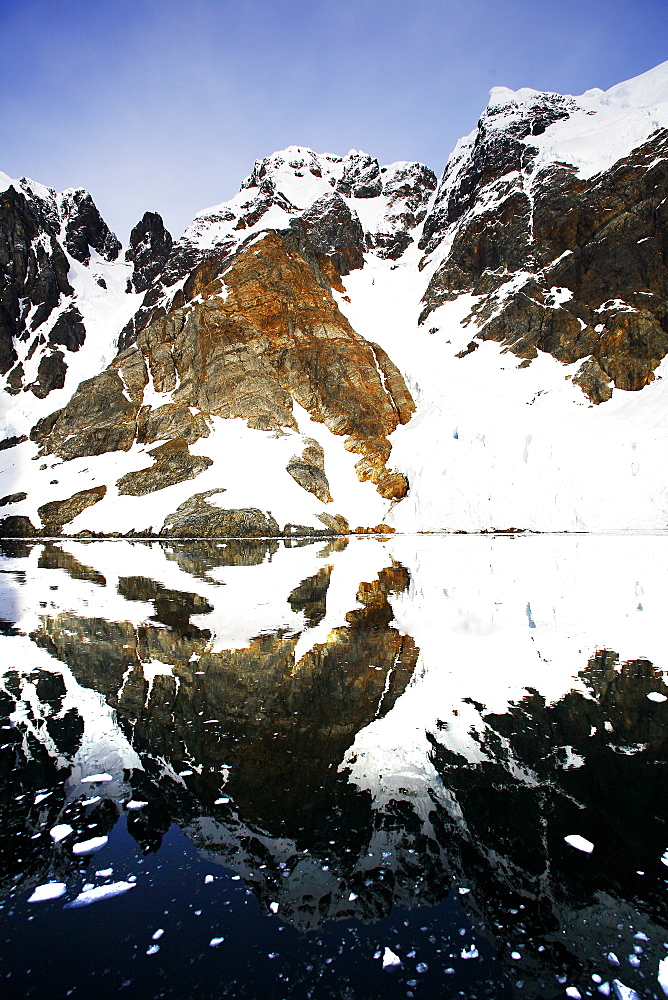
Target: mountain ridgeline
347,346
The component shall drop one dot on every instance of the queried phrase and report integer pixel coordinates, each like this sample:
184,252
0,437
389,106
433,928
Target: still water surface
403,767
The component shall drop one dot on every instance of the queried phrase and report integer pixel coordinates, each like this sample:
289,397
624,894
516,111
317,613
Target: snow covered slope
345,344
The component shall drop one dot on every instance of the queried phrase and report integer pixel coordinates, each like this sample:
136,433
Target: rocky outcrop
308,469
195,518
149,250
57,513
172,463
591,253
84,227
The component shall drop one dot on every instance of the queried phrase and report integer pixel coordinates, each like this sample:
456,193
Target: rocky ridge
296,313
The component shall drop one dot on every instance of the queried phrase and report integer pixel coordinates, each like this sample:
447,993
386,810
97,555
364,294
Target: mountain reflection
250,747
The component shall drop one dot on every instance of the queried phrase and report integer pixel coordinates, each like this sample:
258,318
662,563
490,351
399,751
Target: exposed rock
195,518
172,463
50,374
361,176
309,470
53,556
85,229
336,523
68,330
99,418
149,250
172,420
332,229
17,526
56,513
12,442
593,381
12,498
311,596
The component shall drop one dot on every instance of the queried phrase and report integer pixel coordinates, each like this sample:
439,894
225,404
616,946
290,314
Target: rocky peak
149,250
84,229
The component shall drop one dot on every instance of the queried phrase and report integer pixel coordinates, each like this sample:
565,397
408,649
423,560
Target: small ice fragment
215,941
573,991
135,804
579,843
516,955
472,952
664,858
90,846
421,967
60,831
604,988
40,798
50,890
612,958
640,936
100,892
97,777
623,992
157,934
236,878
662,975
207,879
390,960
634,961
91,801
596,978
273,907
352,896
185,774
153,949
656,696
462,891
449,971
104,872
221,802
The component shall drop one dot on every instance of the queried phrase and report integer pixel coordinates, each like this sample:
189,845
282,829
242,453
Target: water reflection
342,730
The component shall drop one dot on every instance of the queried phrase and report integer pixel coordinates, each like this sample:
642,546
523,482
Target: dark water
343,771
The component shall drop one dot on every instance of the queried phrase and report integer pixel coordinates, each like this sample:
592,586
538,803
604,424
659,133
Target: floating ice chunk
472,952
208,879
222,801
153,949
91,801
50,890
390,960
352,896
99,893
634,961
605,989
516,955
640,936
90,846
624,992
156,935
215,941
421,967
40,798
573,991
656,696
664,858
662,975
104,872
612,958
60,831
273,907
103,776
462,890
579,843
135,804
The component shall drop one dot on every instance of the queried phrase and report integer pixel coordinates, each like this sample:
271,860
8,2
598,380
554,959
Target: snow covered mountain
346,345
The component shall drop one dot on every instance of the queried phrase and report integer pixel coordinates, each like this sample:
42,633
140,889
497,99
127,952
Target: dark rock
149,250
361,176
17,526
50,374
85,229
68,330
12,442
593,381
332,229
12,498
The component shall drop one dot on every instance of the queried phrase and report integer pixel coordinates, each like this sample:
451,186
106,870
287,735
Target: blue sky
164,105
